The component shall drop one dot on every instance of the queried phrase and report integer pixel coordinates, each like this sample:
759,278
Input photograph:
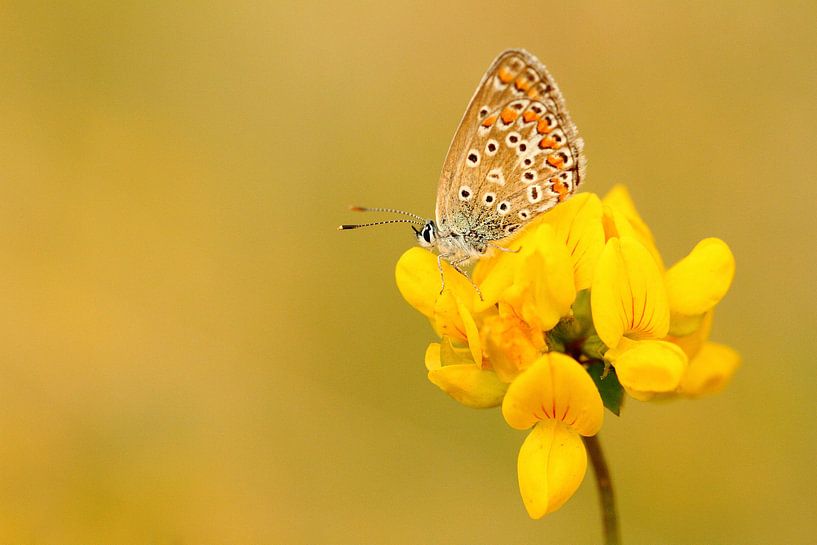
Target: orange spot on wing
490,120
547,142
529,116
543,127
556,161
559,187
508,115
522,84
538,90
504,75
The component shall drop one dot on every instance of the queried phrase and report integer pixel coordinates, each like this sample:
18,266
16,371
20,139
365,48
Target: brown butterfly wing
515,154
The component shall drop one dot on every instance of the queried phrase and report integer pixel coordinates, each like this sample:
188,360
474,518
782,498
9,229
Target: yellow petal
544,286
710,370
418,279
432,359
622,219
578,222
471,334
648,366
537,281
554,387
470,385
640,396
446,318
692,342
551,465
415,276
492,273
452,314
495,272
700,280
552,285
446,353
511,345
620,200
452,352
628,296
681,325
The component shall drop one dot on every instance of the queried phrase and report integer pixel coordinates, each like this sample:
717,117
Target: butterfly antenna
347,227
392,210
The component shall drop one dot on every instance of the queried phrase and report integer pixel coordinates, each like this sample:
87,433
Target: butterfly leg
456,266
440,258
502,249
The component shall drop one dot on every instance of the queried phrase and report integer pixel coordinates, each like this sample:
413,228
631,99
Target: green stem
605,486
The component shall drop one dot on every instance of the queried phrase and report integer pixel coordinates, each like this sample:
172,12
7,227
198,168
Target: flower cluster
582,312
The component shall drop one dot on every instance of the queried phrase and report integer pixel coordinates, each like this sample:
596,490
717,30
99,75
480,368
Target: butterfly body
515,155
457,243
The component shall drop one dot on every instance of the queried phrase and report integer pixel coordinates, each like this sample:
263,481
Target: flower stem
605,486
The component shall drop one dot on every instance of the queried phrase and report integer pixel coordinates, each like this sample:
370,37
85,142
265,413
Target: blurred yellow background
190,353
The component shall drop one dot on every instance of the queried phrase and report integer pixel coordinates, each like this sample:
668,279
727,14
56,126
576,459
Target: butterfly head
427,236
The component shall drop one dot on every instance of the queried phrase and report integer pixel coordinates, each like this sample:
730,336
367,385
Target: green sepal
594,348
582,312
574,327
555,340
610,390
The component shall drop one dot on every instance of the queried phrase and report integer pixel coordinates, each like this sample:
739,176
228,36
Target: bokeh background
190,353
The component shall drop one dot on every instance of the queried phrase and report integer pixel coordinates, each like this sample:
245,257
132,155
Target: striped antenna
347,227
391,210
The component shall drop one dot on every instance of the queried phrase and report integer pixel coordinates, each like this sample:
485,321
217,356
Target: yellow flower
655,321
580,311
695,285
559,400
536,281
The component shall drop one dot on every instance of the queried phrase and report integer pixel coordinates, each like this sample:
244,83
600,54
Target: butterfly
516,154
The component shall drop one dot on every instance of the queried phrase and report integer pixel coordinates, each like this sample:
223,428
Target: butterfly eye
428,233
465,193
